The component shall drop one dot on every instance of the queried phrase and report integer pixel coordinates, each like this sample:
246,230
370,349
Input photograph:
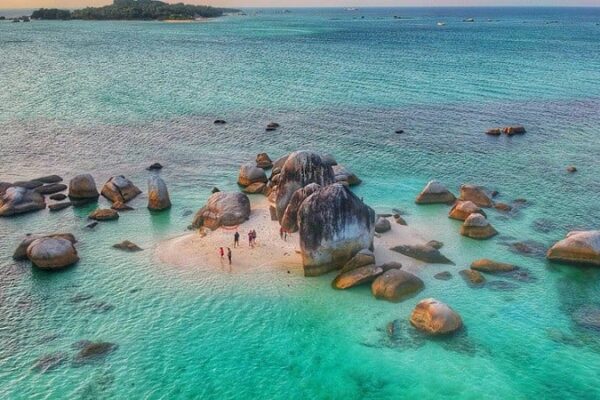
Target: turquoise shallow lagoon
112,97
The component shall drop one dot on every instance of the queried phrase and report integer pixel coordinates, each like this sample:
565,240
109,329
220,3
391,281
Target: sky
308,3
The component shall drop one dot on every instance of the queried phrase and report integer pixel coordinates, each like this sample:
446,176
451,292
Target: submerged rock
396,285
435,192
104,214
49,179
587,317
357,276
435,318
52,253
91,351
361,259
83,187
263,161
223,209
344,175
334,225
423,252
443,276
492,267
472,277
462,209
18,200
289,222
249,174
300,169
476,226
382,225
120,189
60,206
475,194
49,362
126,245
579,247
158,194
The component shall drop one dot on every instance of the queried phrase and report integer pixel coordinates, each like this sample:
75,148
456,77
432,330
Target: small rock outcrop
19,200
52,253
263,161
104,214
423,252
472,277
155,167
83,187
343,174
300,169
396,285
120,189
21,250
223,209
357,276
443,276
494,132
571,168
250,173
289,222
127,245
462,209
361,259
435,193
90,351
475,194
382,225
158,194
492,267
51,188
476,226
334,225
435,318
514,130
579,247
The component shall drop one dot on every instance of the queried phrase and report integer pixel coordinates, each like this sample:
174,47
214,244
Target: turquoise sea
113,97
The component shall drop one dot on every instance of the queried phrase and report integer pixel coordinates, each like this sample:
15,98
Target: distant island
134,10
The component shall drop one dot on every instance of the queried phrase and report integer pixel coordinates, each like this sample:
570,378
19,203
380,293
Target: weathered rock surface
120,206
19,200
399,220
357,276
52,253
343,174
289,222
361,259
120,189
382,225
492,267
83,187
476,226
443,276
334,225
250,173
435,318
4,186
435,192
423,252
223,209
263,161
472,277
476,194
21,250
255,188
300,169
435,244
158,194
396,285
514,130
59,206
462,209
502,207
104,214
579,247
127,245
494,132
51,188
49,179
328,159
155,167
278,164
58,196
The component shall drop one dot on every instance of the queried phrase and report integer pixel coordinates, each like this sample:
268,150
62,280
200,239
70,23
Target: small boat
469,20
441,24
351,9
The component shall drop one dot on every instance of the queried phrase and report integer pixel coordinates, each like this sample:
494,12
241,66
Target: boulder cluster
49,252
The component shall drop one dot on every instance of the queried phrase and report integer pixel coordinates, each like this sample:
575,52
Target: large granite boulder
476,226
396,285
255,188
476,194
462,209
120,189
19,200
435,318
492,267
250,173
52,253
104,214
223,209
423,252
21,250
382,225
158,194
300,169
263,161
343,174
361,259
435,192
579,247
4,186
334,225
289,222
83,187
278,164
357,276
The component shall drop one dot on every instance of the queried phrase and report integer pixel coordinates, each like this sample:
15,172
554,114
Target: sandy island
200,249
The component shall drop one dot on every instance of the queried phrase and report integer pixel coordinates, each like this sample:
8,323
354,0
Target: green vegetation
134,10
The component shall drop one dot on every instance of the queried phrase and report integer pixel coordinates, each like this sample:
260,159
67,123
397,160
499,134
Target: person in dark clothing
236,239
229,255
221,252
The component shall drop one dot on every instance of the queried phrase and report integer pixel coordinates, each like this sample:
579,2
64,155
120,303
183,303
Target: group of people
222,253
236,243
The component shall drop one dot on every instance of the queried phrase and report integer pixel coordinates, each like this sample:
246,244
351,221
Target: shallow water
112,97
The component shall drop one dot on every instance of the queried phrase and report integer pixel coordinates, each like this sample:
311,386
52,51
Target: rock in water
396,285
476,226
158,195
263,161
443,276
18,200
492,267
423,252
435,318
579,247
4,186
361,259
435,192
476,194
83,187
51,188
155,167
472,277
120,189
514,130
104,214
21,250
357,276
334,225
49,179
249,174
300,169
462,209
52,253
382,225
127,245
289,222
59,206
91,351
493,132
223,209
343,174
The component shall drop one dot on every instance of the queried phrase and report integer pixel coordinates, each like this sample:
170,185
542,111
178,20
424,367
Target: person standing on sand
221,252
253,237
250,238
229,255
236,239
